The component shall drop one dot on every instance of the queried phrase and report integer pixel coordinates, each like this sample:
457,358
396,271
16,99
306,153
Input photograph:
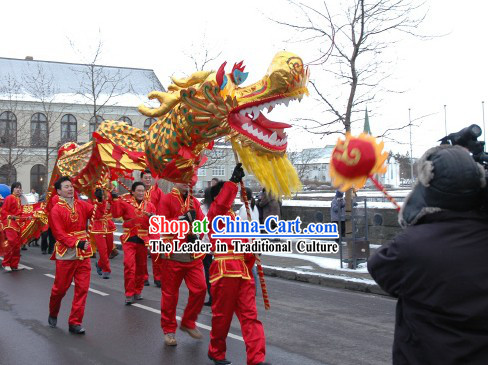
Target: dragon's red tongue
266,123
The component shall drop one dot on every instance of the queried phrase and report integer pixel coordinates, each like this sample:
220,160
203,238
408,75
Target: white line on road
201,325
21,266
89,289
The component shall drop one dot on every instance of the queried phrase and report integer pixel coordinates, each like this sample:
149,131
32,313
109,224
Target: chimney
29,58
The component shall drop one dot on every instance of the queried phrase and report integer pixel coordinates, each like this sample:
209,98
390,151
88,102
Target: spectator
252,205
36,195
338,212
270,206
214,182
437,266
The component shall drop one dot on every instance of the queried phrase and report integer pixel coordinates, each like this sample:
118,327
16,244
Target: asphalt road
306,325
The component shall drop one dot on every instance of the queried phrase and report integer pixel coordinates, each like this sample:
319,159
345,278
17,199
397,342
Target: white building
312,164
44,104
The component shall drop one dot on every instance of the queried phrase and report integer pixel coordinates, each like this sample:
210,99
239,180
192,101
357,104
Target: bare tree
100,85
40,84
304,161
352,51
14,130
201,55
352,45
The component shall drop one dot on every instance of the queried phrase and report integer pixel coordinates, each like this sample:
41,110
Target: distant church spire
366,128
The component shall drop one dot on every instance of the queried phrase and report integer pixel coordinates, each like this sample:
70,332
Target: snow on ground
341,277
323,262
326,204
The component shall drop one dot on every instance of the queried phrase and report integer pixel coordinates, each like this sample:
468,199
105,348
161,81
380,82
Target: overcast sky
449,70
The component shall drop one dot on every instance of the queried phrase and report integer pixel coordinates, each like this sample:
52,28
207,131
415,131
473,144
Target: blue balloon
4,190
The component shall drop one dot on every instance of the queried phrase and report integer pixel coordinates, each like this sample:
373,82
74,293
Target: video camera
468,138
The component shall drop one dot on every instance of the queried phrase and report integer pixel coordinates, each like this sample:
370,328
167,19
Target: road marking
201,325
21,266
89,289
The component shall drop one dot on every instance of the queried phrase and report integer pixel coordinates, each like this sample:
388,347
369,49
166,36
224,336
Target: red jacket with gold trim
102,223
69,226
154,194
171,206
11,207
228,264
136,222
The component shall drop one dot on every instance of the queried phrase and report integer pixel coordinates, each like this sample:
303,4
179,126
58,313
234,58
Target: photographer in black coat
438,267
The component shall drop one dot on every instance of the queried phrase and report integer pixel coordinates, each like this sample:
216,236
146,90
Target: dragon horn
195,78
168,101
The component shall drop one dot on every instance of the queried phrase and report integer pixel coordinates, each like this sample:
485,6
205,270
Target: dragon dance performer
68,220
154,195
177,267
233,289
102,231
135,211
11,214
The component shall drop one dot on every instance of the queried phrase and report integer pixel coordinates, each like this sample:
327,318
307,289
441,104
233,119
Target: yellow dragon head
208,105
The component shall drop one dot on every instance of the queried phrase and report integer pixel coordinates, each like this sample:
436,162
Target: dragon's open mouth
249,121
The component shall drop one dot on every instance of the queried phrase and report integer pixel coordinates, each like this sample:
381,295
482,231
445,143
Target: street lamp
411,153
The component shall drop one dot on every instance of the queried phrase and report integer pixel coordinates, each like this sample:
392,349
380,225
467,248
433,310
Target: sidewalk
319,270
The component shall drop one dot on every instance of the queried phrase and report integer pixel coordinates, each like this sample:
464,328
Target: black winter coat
438,270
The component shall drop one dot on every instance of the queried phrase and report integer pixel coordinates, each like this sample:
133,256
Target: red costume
11,208
68,225
154,195
233,290
102,231
174,269
134,240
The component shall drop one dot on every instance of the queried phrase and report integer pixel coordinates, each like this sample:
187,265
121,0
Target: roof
310,156
69,80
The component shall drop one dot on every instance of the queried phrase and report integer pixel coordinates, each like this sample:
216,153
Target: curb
328,280
331,281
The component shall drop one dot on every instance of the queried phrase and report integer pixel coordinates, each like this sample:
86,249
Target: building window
8,175
69,128
126,120
94,124
218,170
37,178
148,122
8,129
202,171
39,130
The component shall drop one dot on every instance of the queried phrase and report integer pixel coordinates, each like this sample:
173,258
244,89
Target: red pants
105,245
135,259
156,266
172,274
66,270
12,251
236,295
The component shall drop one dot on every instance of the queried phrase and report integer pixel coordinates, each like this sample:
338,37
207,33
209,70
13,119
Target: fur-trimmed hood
448,179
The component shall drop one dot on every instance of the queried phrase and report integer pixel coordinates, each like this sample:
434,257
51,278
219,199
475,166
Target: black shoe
99,269
24,248
53,321
77,330
44,252
208,303
129,300
146,283
220,362
157,283
94,256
